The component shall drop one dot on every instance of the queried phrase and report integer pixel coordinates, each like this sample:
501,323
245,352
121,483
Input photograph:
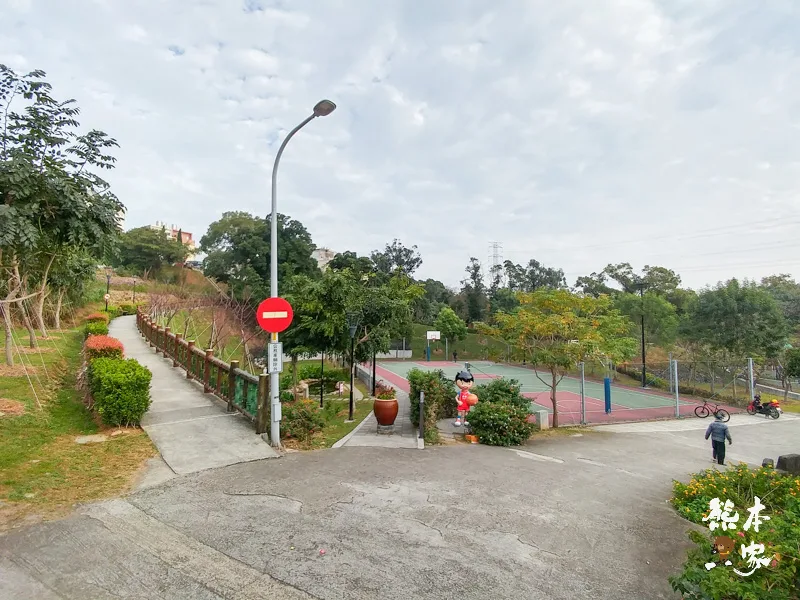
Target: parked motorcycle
769,409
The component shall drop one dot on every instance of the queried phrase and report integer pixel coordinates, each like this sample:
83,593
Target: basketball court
627,404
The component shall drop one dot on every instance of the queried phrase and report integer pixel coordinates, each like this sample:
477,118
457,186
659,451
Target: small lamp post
353,319
134,290
108,286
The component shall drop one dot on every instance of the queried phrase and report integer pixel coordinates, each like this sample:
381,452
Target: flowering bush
102,346
384,391
780,535
97,317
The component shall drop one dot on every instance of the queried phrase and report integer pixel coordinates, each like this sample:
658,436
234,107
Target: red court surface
569,405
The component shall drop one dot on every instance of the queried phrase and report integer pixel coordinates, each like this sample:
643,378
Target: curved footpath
193,431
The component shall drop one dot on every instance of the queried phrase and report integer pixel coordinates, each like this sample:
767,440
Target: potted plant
385,406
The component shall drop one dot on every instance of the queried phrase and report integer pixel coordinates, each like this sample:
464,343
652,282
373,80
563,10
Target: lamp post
353,319
108,286
640,285
322,109
134,290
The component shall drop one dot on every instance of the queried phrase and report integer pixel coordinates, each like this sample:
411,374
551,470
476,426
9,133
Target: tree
739,319
144,250
53,201
358,265
556,329
532,277
428,306
473,292
786,292
660,318
451,326
396,256
68,278
790,370
593,285
238,253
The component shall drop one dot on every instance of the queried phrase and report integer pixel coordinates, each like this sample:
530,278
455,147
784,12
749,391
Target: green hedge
95,328
501,423
120,389
301,420
502,389
440,399
127,309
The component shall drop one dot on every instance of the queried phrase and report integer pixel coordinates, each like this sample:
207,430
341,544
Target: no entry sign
274,315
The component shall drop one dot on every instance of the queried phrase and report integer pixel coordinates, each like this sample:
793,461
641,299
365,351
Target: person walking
719,433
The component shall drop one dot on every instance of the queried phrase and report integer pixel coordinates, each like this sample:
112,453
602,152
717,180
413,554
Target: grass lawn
43,472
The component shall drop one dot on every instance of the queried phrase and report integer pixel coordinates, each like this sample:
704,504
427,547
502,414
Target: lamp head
323,108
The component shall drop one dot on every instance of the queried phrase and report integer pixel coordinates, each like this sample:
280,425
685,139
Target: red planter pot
385,411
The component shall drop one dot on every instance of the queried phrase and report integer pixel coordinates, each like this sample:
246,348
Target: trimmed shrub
301,420
97,317
95,328
102,346
114,312
120,389
502,390
128,309
440,399
500,423
780,494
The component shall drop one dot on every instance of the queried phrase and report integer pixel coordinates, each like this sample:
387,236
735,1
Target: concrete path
191,430
404,435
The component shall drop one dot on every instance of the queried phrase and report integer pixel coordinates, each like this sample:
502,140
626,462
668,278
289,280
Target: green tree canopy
450,325
740,319
238,253
660,318
144,250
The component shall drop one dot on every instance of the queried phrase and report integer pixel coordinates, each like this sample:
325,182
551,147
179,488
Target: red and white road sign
274,315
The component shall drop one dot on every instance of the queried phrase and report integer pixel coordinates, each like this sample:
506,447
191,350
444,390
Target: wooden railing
249,394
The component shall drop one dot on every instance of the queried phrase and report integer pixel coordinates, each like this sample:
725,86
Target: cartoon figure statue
465,400
723,546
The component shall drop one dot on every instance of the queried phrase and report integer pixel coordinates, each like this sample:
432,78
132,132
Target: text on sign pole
275,357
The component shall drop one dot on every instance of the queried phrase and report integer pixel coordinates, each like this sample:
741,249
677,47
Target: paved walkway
191,430
404,435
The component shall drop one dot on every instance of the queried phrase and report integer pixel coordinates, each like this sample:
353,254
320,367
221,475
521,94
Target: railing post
232,384
152,344
175,361
189,358
207,369
422,415
166,341
262,411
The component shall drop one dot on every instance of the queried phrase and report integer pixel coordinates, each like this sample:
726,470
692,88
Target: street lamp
353,319
641,285
108,286
134,290
322,109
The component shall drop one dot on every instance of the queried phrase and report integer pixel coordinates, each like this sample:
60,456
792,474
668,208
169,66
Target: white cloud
572,135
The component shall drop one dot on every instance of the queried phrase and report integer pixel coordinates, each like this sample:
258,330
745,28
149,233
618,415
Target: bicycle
703,411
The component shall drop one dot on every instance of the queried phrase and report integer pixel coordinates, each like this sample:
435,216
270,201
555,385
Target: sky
577,133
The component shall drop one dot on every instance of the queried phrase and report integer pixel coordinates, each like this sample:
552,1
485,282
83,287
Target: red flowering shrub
97,317
102,346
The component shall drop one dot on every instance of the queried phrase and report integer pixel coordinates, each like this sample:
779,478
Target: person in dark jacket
719,433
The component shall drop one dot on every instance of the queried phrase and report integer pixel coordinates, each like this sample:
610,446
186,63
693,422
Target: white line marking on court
539,457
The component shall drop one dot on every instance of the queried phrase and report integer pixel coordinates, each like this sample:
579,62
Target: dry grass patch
17,370
11,408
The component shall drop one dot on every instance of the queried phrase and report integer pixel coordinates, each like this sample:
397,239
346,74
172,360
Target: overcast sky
577,133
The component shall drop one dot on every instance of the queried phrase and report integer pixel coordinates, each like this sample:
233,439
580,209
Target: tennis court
627,404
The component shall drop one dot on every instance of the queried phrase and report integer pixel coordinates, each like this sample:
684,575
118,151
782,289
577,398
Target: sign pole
274,315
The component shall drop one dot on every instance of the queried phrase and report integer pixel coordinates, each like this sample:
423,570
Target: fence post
166,341
232,384
670,372
189,358
583,394
262,410
152,345
175,361
207,370
674,369
751,378
422,415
